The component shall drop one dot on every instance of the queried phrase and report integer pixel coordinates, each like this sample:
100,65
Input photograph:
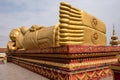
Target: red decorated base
116,71
96,73
69,62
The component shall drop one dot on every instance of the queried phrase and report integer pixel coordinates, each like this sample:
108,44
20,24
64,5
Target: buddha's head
14,33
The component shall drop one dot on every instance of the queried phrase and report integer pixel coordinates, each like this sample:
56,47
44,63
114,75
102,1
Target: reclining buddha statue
75,27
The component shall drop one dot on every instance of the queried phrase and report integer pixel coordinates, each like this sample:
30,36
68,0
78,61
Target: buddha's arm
11,46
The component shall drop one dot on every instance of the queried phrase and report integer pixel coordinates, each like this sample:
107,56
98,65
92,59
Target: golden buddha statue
75,27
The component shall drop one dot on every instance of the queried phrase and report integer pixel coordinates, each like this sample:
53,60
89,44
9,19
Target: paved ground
11,71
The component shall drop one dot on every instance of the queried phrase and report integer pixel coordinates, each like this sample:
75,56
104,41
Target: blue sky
14,13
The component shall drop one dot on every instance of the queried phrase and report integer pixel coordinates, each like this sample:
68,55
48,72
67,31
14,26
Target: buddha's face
14,33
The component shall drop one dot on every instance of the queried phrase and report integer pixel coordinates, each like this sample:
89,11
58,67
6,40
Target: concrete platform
11,71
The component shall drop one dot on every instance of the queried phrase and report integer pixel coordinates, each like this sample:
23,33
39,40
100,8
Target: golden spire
113,30
114,38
